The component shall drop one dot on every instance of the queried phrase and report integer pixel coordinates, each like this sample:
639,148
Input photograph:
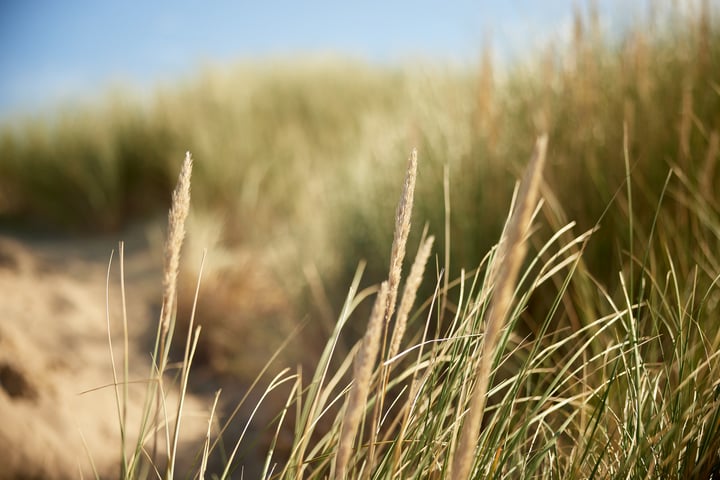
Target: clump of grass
106,163
596,401
158,423
380,452
111,163
628,394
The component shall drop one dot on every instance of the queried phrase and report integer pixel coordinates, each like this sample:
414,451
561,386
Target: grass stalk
403,216
511,255
120,402
126,349
362,374
177,215
179,210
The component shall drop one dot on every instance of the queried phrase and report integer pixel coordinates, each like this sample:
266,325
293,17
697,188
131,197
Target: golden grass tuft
409,293
402,229
176,234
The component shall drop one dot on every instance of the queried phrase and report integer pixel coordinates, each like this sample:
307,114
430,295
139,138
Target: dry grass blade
511,253
364,364
119,404
206,443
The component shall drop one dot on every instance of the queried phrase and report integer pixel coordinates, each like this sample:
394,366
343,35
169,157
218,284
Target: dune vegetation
555,315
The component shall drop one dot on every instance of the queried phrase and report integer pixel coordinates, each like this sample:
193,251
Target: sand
59,416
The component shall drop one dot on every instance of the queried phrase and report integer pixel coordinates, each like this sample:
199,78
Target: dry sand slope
54,347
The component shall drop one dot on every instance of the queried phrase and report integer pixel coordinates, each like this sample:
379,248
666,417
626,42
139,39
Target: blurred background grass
297,162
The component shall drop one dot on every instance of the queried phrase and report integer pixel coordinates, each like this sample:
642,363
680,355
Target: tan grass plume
511,253
402,229
403,215
409,293
177,215
173,244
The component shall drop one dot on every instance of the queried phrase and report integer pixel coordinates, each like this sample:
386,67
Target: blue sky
54,52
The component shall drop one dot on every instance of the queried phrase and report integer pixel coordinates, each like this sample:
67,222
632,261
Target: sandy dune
54,347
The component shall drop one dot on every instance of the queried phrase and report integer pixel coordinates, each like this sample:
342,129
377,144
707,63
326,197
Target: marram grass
606,362
629,394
